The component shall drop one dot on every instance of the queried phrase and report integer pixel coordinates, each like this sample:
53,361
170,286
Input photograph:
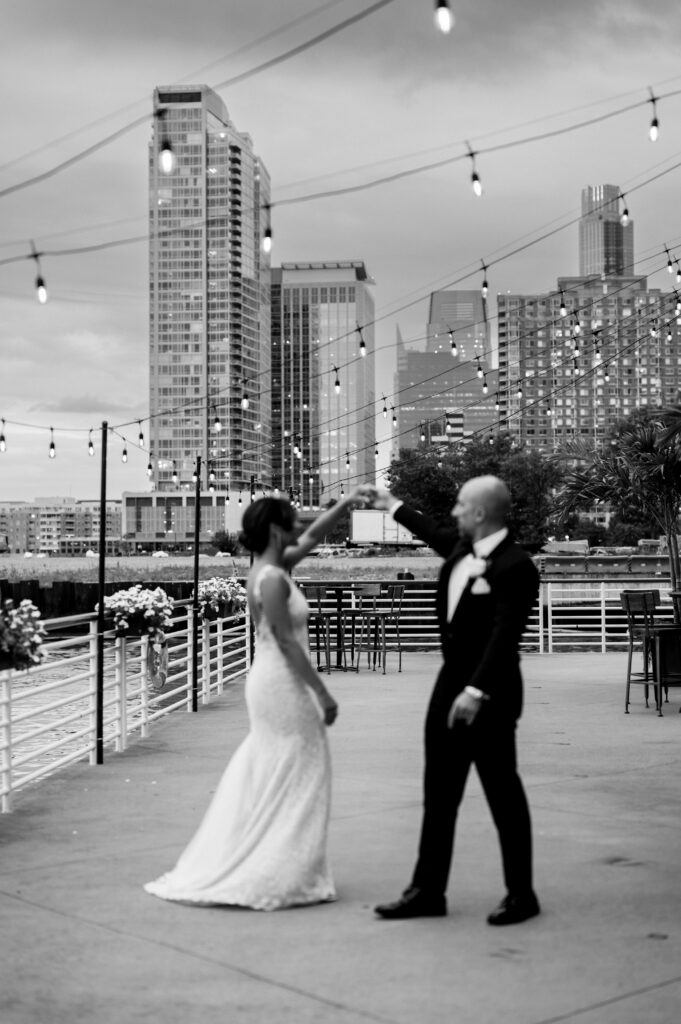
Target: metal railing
48,714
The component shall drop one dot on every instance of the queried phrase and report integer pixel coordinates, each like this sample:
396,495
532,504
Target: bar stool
639,606
318,623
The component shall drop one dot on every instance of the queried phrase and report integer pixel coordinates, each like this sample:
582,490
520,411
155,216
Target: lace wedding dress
262,842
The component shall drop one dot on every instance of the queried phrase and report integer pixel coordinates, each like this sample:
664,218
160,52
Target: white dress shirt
461,572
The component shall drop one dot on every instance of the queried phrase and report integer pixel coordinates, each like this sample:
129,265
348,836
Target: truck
374,527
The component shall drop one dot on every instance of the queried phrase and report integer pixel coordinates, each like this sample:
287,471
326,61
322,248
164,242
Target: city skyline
329,119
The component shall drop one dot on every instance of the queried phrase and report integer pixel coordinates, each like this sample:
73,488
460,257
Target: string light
362,345
452,344
444,19
90,445
423,433
150,468
485,286
496,402
140,438
670,262
606,374
239,502
41,290
3,443
174,473
166,157
654,129
563,307
576,328
394,415
484,384
244,401
267,237
520,390
347,460
337,383
475,180
624,216
385,408
217,425
53,450
124,453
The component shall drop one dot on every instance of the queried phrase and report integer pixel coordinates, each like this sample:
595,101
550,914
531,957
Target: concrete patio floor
81,942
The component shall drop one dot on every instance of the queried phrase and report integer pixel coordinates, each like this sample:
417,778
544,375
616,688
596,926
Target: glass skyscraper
209,297
323,414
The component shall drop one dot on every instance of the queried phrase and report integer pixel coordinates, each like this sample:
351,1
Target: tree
227,542
429,480
638,474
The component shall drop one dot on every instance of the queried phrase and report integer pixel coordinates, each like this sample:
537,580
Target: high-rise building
575,361
323,415
447,392
209,292
459,316
606,246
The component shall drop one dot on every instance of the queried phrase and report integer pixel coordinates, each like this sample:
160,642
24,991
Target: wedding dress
262,841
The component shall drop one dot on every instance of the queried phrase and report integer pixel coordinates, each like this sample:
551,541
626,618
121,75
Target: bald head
482,506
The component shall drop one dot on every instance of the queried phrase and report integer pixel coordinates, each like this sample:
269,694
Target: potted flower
139,611
21,635
221,596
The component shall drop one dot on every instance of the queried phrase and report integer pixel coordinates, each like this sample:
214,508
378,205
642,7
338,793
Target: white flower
477,567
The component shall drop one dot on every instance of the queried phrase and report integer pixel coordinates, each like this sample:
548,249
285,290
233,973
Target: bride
262,842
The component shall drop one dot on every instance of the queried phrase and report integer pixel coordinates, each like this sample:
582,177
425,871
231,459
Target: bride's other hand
363,494
330,709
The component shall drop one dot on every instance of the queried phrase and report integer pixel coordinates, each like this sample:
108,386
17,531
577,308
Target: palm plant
639,472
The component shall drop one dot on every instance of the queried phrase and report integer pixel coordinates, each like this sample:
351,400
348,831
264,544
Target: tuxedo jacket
481,643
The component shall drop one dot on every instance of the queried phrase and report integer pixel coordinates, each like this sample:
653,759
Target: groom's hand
464,709
383,500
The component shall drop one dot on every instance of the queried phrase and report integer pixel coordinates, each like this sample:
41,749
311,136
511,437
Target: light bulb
654,130
267,241
3,443
53,450
166,157
41,290
444,19
124,454
150,469
476,183
244,401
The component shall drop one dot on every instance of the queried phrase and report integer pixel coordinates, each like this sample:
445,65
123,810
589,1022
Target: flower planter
209,613
135,627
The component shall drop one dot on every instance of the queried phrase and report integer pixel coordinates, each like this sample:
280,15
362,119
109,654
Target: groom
485,594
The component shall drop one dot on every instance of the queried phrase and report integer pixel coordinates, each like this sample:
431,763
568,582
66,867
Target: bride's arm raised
311,537
274,593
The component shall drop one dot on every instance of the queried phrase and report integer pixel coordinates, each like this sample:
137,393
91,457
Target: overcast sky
386,94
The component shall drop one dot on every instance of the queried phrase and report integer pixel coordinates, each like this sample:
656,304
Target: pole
99,711
195,602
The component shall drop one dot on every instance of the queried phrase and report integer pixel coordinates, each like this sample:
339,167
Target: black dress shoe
413,903
514,909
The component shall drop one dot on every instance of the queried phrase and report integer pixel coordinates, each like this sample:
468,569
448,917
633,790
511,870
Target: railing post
205,661
144,687
190,658
549,614
604,635
6,739
542,594
119,689
93,642
220,660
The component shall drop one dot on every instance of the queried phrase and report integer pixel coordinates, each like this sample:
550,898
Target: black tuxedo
480,649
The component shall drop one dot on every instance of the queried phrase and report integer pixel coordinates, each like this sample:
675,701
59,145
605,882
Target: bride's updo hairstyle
257,519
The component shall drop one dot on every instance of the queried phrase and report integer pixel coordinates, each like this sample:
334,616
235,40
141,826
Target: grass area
146,569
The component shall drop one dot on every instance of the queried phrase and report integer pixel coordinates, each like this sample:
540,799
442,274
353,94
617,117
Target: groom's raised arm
441,537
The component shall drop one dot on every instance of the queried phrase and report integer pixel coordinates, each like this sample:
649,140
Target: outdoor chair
375,609
643,633
319,623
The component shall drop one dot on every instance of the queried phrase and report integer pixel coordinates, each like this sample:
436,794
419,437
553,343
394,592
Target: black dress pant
489,744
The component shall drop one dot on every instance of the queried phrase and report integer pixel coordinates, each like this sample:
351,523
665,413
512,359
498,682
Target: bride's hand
363,494
330,709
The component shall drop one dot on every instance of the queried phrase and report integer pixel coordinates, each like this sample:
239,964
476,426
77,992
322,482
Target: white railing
49,714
